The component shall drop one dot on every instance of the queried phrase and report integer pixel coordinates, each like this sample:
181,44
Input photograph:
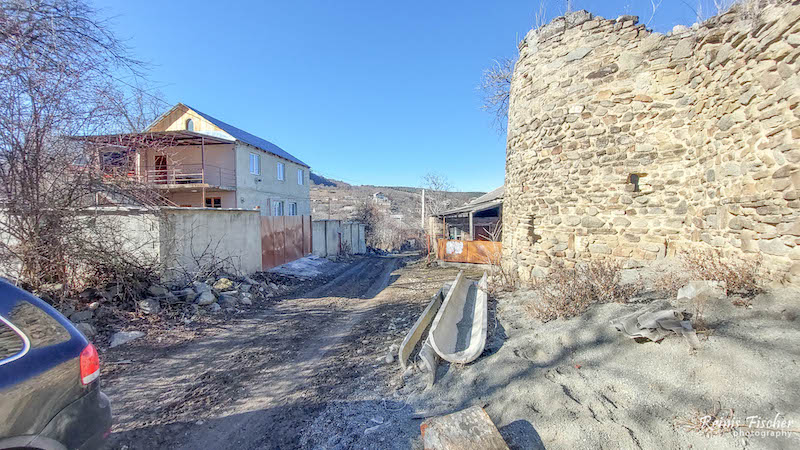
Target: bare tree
496,90
436,188
59,67
136,107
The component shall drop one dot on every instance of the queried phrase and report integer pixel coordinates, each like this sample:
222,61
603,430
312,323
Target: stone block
577,54
591,222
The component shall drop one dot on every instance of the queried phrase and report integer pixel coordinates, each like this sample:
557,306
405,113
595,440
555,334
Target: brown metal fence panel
475,252
307,245
284,239
267,237
293,239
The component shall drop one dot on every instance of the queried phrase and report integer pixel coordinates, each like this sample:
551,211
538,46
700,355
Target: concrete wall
234,235
706,118
326,236
175,238
251,192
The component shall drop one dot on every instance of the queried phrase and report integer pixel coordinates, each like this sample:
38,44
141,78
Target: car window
11,343
38,326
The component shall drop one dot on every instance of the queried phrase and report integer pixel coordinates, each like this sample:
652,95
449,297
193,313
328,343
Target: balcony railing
190,174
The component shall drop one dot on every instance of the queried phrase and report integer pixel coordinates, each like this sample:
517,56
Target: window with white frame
281,172
300,176
277,208
293,209
255,164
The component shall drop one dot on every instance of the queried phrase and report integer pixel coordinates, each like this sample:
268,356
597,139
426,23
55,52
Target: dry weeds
568,292
740,276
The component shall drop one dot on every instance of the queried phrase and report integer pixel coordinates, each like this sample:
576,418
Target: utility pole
422,215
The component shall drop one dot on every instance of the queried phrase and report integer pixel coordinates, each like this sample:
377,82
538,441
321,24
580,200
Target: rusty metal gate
284,239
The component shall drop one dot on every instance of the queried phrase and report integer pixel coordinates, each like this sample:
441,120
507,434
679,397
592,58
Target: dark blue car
50,395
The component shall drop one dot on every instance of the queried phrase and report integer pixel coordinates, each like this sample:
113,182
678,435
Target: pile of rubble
103,308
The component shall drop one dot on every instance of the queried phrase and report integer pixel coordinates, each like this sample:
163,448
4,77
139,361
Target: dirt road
260,381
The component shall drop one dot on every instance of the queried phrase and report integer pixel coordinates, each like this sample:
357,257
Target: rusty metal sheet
293,239
485,252
474,252
284,239
267,237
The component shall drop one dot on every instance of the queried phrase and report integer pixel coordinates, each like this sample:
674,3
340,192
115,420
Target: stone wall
627,143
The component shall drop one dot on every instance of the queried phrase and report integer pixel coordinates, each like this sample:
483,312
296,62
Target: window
12,342
255,164
213,202
277,208
281,173
189,125
292,209
634,180
455,233
300,176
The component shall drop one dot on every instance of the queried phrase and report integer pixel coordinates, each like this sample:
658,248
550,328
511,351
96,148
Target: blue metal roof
248,138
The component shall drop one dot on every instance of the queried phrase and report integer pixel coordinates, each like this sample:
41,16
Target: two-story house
195,160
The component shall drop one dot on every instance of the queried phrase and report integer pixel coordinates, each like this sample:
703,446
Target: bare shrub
381,231
501,278
668,282
566,292
740,276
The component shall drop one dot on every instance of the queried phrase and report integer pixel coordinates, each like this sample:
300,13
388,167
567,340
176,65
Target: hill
338,200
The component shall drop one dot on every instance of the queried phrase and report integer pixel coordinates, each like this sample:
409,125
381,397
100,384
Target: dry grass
669,282
740,275
568,292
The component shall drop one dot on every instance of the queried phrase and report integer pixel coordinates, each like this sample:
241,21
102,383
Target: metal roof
486,201
164,138
248,138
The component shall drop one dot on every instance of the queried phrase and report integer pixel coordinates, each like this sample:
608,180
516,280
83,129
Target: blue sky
366,92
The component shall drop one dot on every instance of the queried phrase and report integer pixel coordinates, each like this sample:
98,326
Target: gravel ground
305,371
310,371
579,383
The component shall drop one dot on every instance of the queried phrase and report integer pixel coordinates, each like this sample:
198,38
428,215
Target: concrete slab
418,329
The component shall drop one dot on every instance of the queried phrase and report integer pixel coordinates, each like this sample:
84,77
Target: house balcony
189,176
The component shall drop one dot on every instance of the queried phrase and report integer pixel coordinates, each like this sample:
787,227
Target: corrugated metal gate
284,239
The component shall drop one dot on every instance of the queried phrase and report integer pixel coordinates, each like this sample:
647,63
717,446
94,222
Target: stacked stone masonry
632,144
